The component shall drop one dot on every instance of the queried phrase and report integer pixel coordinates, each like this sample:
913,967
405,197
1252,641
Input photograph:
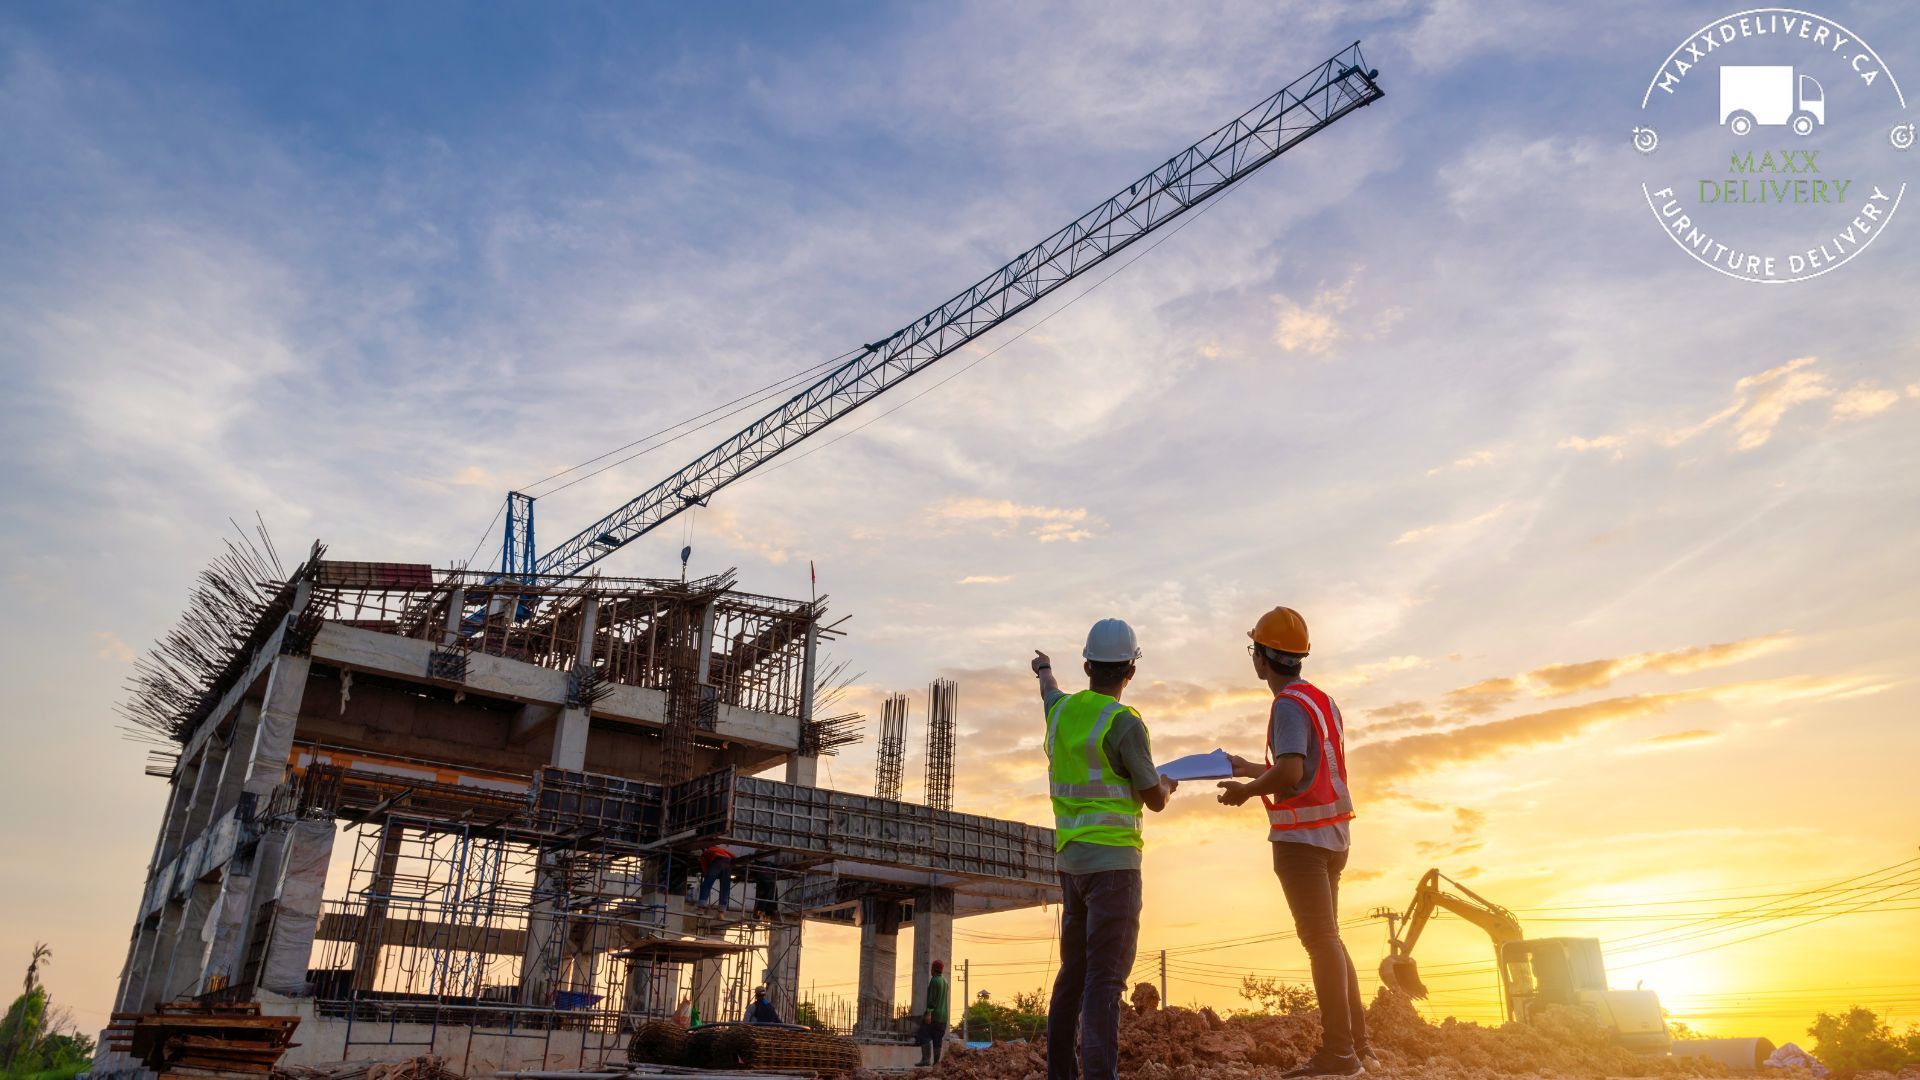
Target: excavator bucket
1401,973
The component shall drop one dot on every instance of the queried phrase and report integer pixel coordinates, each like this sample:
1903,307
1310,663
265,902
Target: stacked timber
188,1037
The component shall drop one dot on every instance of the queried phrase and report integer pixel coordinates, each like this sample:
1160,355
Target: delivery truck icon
1752,94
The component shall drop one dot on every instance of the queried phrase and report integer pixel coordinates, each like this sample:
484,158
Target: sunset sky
1608,559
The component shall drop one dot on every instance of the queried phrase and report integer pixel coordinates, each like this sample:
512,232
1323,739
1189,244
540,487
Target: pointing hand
1040,661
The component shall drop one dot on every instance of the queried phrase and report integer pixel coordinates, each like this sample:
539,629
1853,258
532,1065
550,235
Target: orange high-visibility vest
1326,800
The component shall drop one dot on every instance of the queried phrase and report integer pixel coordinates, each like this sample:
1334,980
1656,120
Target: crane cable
1024,331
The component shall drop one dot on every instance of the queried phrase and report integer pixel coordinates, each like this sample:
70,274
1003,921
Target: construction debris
183,1037
1183,1044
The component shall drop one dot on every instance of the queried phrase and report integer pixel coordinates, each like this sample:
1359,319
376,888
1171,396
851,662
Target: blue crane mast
1291,115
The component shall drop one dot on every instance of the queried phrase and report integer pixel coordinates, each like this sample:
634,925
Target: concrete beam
357,649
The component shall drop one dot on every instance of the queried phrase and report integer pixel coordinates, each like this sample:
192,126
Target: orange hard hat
1283,630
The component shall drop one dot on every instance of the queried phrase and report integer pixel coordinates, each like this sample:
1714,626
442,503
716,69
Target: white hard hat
1112,641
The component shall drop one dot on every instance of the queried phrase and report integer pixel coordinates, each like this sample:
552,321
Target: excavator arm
1398,969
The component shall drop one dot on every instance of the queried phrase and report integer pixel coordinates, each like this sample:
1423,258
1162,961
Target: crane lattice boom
1331,90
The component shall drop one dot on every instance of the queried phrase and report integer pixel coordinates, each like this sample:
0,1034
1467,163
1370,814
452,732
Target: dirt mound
1184,1044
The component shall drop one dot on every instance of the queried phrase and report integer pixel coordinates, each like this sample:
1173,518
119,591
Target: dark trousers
720,870
1099,929
930,1038
1310,876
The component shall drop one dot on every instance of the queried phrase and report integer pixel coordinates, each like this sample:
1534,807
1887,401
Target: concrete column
708,975
544,925
189,957
206,790
279,715
296,903
186,785
172,915
879,950
233,764
705,664
456,607
230,922
366,957
932,940
805,771
152,934
783,969
570,730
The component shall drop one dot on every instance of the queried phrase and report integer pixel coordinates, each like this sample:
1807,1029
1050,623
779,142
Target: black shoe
1365,1054
1324,1065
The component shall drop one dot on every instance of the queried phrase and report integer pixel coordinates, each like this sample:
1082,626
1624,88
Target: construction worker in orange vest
1303,785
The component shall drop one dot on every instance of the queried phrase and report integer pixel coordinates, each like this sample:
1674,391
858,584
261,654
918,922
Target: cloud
1676,739
1557,680
1760,402
1447,528
1485,695
1463,840
1047,524
1317,326
1613,444
1475,460
1362,674
1865,400
108,646
1380,766
1560,680
986,579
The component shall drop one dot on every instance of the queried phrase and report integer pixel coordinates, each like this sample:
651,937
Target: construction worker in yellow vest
1100,774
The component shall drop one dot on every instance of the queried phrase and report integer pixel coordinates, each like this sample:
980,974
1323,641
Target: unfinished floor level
435,811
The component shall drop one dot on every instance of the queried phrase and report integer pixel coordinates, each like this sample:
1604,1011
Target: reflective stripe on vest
1092,803
1326,801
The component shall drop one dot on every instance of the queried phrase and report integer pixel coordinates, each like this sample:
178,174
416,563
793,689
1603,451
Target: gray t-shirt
1131,754
1294,732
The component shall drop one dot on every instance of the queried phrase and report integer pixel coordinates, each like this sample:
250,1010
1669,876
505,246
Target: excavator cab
1538,972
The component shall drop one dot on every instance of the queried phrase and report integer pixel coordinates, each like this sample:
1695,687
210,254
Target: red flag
812,575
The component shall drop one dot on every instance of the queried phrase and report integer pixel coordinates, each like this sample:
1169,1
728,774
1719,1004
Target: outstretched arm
1284,776
1043,667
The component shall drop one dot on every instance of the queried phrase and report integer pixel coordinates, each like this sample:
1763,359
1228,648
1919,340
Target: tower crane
1331,90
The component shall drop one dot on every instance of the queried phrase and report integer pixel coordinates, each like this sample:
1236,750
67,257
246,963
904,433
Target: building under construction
435,812
458,812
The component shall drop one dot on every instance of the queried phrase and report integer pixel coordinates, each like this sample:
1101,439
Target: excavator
1534,972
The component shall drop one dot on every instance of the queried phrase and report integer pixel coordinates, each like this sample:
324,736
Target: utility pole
1163,979
966,998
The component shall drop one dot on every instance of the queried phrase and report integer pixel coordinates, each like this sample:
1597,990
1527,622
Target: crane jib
1294,113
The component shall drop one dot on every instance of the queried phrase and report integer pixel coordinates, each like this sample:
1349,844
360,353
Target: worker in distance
1101,776
1303,785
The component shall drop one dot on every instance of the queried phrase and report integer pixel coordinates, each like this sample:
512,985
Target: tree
1025,1019
40,952
1858,1040
1271,997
